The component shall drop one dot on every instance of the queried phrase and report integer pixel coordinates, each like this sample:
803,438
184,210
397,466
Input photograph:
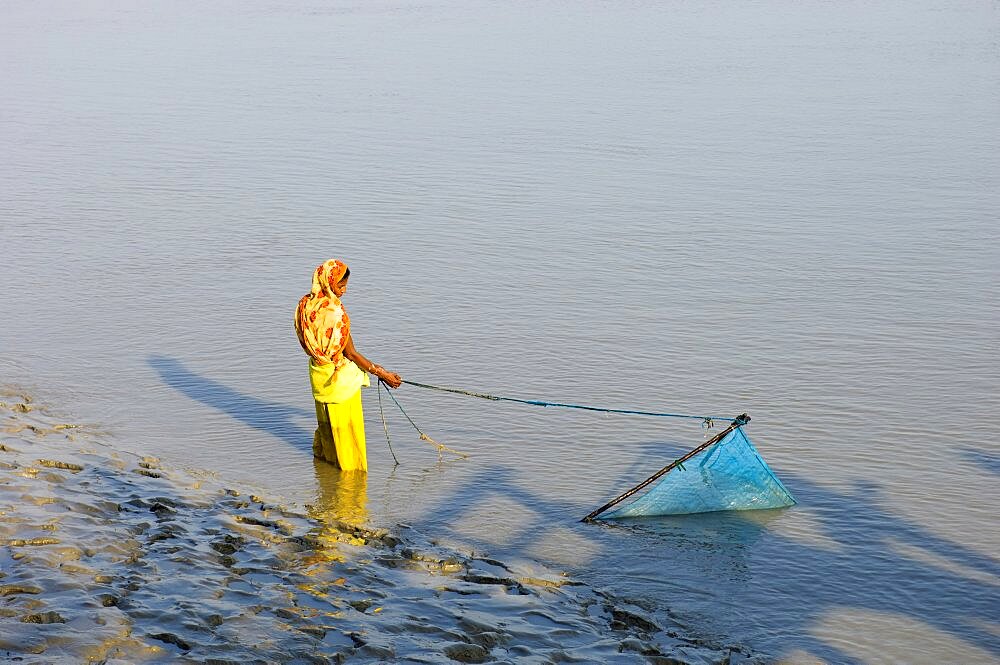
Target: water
701,208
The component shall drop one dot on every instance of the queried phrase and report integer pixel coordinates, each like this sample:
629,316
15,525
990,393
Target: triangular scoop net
728,475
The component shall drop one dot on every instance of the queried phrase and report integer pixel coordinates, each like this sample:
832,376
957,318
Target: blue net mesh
729,475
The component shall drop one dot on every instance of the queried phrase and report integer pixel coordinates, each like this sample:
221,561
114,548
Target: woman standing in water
337,370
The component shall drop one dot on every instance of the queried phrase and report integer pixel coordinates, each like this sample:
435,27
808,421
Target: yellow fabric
335,383
340,436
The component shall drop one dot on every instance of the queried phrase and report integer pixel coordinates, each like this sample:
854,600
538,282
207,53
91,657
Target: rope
423,437
385,425
706,420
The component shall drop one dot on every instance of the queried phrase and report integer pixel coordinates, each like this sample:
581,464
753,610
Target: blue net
728,475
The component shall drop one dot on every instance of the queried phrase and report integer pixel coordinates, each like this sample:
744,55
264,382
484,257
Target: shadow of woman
271,417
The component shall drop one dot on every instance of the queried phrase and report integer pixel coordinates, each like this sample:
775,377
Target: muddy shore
109,557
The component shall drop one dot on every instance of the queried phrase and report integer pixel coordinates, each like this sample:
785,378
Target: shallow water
113,558
704,208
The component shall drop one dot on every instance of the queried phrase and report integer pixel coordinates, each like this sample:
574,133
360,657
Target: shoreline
109,557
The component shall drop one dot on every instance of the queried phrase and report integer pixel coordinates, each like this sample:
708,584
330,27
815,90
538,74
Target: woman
335,369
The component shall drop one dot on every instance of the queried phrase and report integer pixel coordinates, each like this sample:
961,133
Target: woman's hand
391,379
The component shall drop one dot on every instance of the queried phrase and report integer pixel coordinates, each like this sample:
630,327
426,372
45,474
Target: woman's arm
391,379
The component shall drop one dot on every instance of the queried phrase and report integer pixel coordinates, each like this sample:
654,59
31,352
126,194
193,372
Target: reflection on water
342,496
340,509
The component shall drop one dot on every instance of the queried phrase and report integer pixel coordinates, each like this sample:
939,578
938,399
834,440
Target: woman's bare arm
391,379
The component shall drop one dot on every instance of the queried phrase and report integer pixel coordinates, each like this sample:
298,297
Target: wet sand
108,557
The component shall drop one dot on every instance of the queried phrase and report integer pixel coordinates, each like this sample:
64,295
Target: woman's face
341,288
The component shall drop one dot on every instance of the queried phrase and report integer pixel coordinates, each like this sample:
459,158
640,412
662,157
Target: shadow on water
782,587
274,418
776,586
987,461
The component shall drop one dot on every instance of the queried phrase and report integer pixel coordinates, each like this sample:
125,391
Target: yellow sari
323,329
340,436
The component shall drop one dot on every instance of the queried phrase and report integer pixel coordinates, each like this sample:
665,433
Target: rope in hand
441,448
706,420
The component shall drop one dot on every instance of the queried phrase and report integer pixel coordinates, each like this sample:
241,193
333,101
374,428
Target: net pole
737,422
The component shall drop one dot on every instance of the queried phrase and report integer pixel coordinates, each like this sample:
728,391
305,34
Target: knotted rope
441,448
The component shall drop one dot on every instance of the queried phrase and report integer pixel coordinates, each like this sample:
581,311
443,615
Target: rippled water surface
784,209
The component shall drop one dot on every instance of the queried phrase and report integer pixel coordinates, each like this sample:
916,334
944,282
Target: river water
784,209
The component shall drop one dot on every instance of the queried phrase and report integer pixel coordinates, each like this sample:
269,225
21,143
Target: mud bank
107,557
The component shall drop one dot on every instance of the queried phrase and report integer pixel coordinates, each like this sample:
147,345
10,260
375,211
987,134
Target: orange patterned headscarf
321,322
